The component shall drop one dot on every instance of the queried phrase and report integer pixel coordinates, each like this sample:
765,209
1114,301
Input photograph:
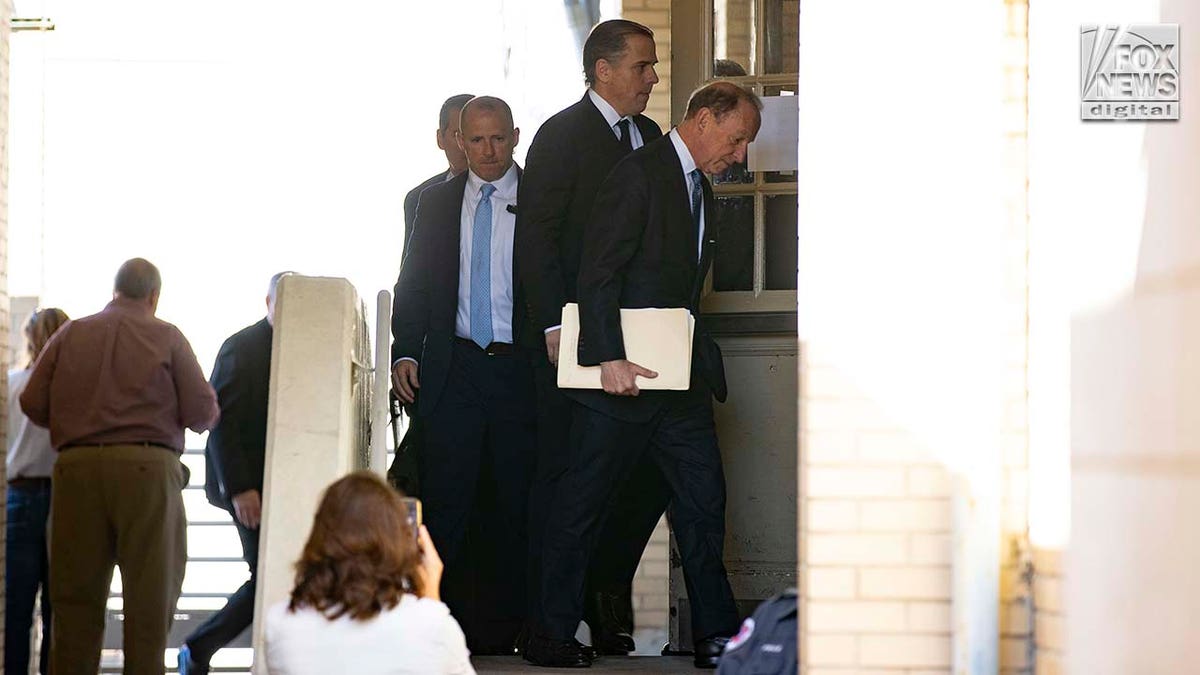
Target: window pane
779,176
737,173
733,265
733,38
780,243
781,36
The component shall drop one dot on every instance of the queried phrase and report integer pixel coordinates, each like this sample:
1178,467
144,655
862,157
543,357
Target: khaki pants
115,504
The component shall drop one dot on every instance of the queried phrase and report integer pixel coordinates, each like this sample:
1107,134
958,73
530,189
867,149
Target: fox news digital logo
1129,72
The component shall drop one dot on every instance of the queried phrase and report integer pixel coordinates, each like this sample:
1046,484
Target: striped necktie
481,269
697,202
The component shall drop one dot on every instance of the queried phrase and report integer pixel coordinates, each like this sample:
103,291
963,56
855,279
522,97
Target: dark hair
42,325
721,98
137,279
361,556
728,68
608,41
451,104
489,104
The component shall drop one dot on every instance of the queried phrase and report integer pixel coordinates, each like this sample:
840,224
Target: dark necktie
626,139
697,194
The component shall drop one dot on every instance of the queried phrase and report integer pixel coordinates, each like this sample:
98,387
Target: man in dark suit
647,245
402,473
453,340
445,136
570,156
233,472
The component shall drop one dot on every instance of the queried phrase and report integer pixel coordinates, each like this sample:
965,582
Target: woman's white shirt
417,636
30,454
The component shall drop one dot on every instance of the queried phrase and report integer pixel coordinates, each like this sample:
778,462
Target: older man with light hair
117,389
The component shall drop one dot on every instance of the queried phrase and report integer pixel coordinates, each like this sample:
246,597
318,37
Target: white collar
610,113
506,185
681,149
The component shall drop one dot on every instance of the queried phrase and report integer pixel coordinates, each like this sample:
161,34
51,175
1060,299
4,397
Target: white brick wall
1049,613
877,519
650,584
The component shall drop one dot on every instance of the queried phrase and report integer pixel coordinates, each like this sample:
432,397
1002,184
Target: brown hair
42,325
721,98
609,40
361,556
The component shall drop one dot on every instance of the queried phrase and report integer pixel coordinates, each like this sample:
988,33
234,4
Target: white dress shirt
30,454
689,165
612,117
416,637
503,224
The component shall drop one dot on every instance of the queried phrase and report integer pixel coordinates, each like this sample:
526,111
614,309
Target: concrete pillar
1115,287
316,419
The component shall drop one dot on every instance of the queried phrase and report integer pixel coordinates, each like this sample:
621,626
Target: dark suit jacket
236,448
569,158
410,206
426,294
639,250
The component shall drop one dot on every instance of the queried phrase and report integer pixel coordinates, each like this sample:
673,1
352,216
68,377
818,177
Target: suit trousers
681,440
238,613
627,530
115,504
476,464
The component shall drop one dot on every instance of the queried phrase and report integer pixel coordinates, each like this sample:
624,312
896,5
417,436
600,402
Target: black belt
494,349
23,482
148,444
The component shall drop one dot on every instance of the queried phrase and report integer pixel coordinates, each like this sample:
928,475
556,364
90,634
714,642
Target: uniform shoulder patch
744,634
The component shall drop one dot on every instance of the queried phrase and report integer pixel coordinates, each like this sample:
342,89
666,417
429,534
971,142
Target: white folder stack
658,339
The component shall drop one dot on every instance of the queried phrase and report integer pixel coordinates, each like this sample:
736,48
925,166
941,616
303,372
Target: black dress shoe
556,653
610,617
589,652
708,652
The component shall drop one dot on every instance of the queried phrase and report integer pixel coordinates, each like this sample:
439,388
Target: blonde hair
40,328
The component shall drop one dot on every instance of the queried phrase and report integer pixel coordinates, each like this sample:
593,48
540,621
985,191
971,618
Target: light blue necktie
697,201
481,269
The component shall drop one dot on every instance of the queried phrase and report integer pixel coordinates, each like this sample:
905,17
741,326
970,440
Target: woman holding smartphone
366,596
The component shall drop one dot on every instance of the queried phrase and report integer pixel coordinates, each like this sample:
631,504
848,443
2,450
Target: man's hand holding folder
658,349
620,377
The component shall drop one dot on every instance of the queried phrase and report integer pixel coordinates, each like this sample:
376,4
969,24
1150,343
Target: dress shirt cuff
402,358
551,329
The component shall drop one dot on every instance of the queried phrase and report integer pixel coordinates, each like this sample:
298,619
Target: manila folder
658,339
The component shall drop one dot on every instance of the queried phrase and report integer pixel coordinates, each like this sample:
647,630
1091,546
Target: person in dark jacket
233,463
452,324
456,160
571,155
766,642
649,243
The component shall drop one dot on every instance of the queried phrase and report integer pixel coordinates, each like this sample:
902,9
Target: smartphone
413,506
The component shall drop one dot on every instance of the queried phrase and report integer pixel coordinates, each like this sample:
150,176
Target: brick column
912,305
